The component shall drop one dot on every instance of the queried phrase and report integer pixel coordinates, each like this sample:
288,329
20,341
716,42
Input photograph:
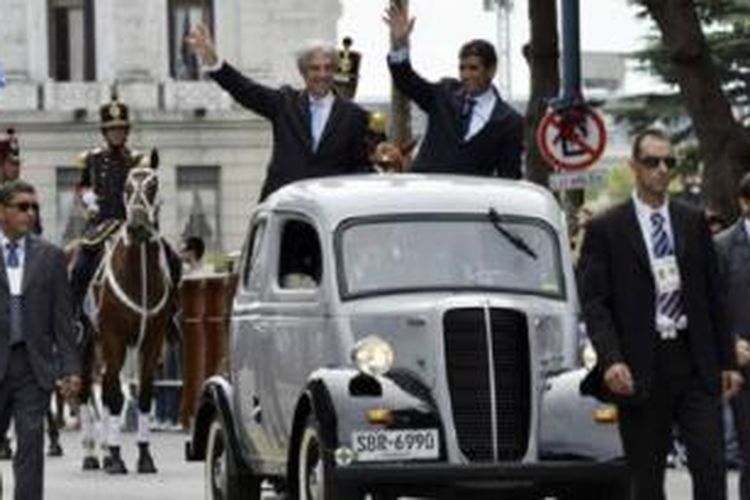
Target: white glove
89,200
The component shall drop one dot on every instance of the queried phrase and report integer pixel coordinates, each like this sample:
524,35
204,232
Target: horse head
141,191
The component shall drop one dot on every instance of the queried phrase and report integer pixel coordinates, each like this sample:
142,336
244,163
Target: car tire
220,482
313,468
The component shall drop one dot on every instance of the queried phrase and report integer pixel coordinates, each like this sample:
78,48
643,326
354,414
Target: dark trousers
83,270
741,412
677,395
28,402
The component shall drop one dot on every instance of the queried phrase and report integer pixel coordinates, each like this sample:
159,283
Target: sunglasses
25,206
652,162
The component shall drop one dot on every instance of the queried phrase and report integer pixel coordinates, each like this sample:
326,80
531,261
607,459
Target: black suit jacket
342,145
495,150
618,296
733,249
47,314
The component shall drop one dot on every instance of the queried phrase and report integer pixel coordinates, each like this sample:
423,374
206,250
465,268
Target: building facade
62,56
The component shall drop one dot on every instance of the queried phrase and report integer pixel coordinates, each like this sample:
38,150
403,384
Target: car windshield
461,253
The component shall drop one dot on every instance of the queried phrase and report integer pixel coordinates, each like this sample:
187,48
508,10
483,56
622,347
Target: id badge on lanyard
666,274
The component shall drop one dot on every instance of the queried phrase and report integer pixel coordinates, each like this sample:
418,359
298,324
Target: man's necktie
316,124
669,304
467,111
16,301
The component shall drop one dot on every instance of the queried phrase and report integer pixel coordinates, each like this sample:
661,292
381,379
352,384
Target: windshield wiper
516,241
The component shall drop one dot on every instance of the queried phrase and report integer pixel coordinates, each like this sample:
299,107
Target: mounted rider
104,174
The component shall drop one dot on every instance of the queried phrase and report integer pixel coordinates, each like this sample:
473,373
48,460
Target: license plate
383,445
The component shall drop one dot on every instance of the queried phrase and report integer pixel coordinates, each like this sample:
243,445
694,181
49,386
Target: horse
134,297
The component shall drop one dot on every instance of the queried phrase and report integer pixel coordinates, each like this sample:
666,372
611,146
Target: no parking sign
572,139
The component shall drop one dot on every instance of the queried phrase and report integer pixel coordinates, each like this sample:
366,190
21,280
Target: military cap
114,113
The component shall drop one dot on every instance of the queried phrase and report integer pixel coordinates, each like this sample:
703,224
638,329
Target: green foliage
726,25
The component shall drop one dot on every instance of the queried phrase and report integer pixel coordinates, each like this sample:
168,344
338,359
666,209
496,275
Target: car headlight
373,356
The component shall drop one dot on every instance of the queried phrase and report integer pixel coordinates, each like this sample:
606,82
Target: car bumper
537,476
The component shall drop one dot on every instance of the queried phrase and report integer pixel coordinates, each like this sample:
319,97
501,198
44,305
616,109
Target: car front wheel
313,479
222,483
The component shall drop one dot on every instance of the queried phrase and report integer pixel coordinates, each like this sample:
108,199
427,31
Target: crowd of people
662,300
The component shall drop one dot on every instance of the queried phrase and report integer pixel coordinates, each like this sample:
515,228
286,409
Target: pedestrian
36,332
651,301
733,249
191,255
316,133
470,129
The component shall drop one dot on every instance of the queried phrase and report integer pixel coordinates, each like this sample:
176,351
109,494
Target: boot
145,460
90,463
55,450
115,465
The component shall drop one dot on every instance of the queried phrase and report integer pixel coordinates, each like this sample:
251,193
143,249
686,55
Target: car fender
216,399
341,410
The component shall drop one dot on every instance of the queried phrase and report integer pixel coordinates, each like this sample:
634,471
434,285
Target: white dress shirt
643,213
320,110
485,104
15,275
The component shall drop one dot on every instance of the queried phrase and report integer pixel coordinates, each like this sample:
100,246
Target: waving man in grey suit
316,133
36,332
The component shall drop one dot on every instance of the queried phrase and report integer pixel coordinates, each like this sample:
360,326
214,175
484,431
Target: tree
543,56
713,75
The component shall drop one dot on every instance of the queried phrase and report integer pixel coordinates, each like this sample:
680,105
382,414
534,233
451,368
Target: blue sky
442,25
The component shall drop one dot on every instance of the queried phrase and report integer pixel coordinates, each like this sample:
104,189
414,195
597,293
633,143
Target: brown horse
134,295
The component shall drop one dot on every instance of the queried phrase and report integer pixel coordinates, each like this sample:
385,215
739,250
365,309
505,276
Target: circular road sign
572,139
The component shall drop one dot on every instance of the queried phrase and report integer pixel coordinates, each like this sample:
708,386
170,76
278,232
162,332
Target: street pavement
178,479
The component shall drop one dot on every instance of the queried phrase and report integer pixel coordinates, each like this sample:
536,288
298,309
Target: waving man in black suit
471,130
316,133
651,300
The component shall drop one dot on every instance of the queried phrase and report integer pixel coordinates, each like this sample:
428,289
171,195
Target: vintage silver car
392,335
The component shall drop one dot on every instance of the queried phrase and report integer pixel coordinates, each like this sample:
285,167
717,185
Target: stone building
61,56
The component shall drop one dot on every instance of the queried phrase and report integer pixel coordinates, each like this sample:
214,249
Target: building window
198,208
70,220
183,16
71,40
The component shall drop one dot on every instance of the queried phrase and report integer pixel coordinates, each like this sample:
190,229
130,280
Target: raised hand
400,25
200,42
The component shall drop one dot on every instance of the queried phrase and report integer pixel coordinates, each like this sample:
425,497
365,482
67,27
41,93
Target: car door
298,340
249,337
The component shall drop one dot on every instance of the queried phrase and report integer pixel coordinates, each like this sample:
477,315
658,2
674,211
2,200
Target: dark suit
494,150
733,249
341,149
677,379
28,372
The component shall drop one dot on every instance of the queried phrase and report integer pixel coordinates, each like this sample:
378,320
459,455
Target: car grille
474,391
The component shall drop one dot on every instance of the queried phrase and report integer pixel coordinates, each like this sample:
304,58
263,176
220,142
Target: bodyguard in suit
36,332
651,301
733,249
315,132
470,129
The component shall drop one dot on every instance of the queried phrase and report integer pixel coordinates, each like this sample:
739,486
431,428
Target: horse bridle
138,197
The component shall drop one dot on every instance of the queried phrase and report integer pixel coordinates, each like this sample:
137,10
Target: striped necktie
669,304
16,301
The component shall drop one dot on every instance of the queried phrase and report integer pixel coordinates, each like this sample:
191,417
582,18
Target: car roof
331,200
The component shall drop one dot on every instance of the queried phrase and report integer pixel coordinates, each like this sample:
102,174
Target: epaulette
81,158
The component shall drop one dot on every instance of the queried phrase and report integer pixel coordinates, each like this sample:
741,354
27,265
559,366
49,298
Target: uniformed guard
346,78
103,177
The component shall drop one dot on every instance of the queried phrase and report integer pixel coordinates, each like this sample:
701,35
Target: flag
3,83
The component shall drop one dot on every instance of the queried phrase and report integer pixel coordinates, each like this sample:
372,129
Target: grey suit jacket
733,249
47,314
